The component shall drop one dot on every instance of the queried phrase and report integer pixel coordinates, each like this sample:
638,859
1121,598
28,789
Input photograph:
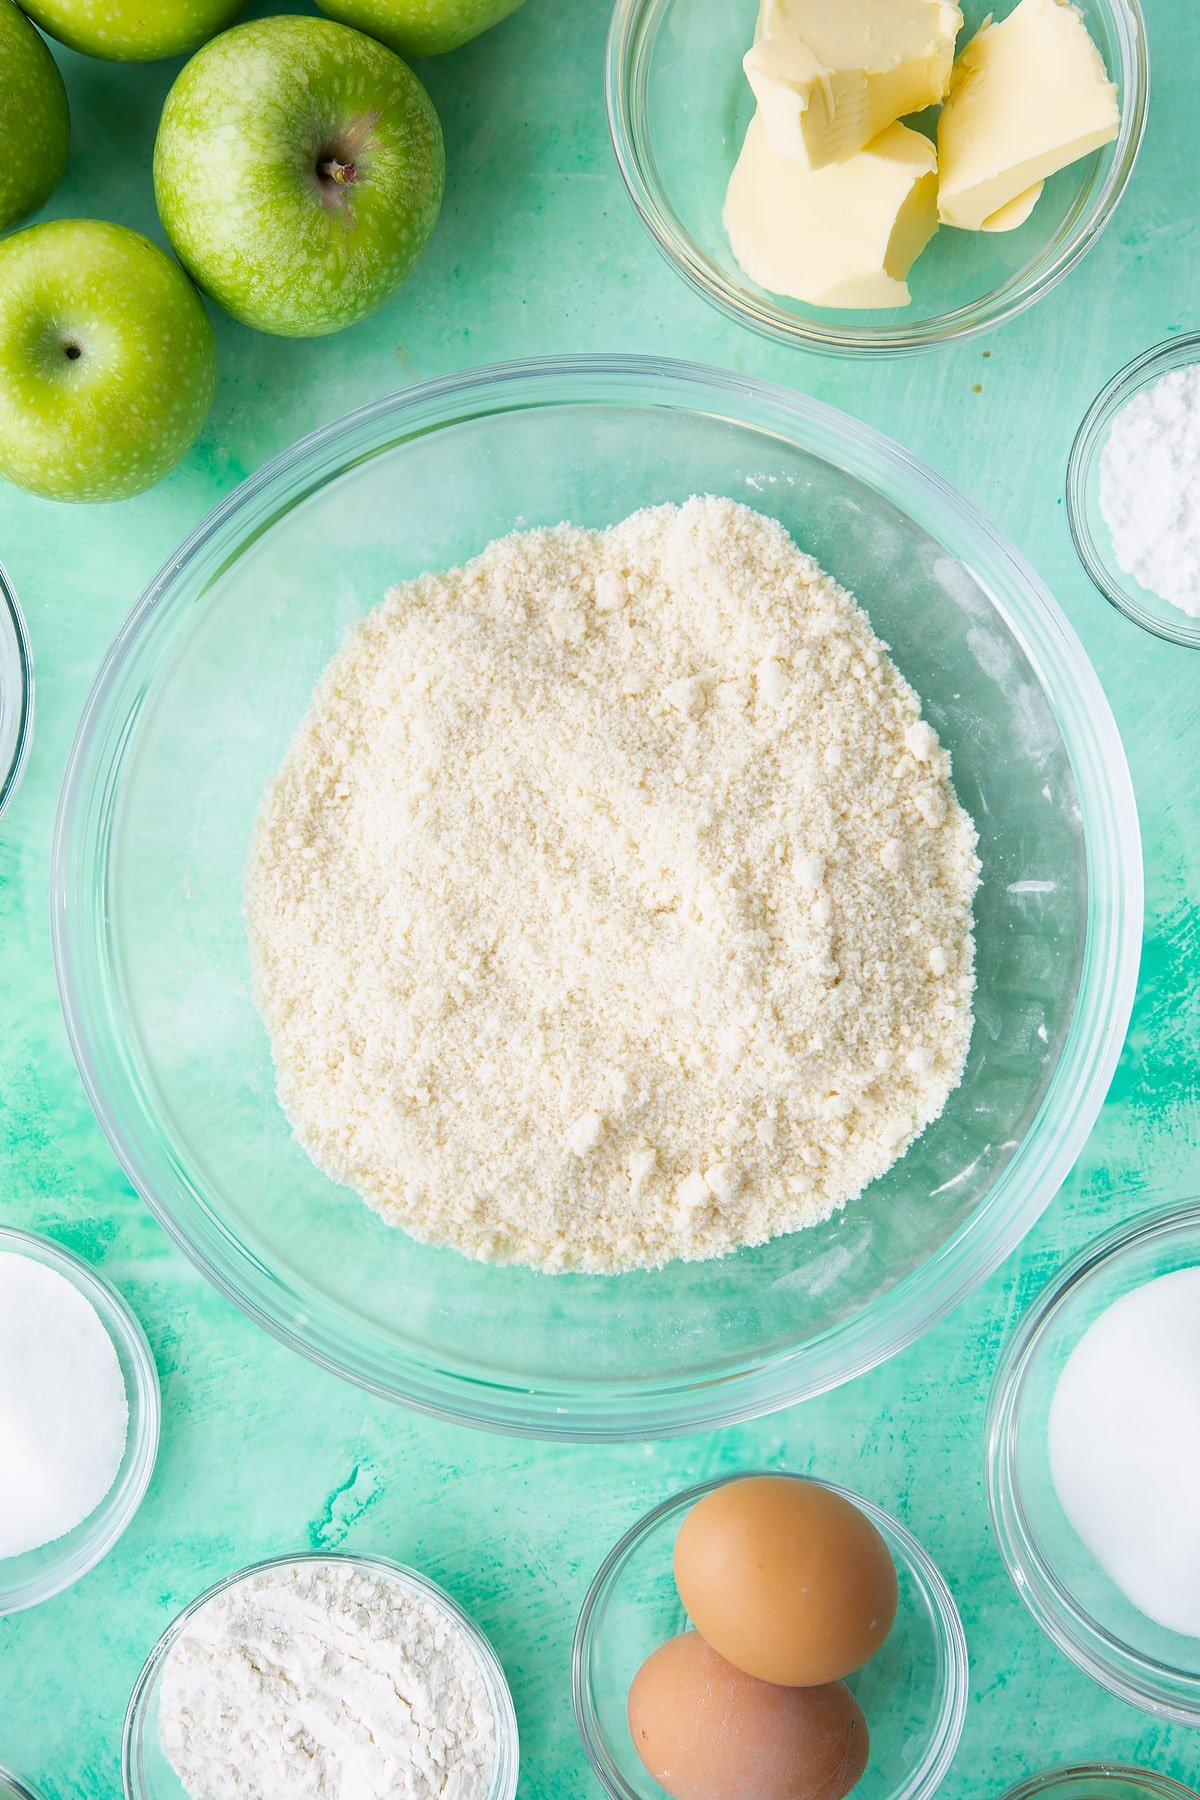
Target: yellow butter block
830,75
845,235
1029,95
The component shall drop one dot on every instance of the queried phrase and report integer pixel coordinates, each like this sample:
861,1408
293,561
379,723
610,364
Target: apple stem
333,170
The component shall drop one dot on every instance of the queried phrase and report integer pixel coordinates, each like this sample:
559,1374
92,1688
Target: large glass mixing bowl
192,712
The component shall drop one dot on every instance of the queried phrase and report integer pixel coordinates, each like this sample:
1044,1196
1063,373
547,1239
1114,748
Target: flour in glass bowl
613,902
1150,488
326,1680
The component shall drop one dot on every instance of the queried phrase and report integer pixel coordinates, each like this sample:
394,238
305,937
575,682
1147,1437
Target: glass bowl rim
628,26
677,1405
926,1780
13,630
13,1787
77,1552
1141,1681
490,1666
1088,446
1159,1787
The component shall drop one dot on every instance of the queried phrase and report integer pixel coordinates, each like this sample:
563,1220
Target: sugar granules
64,1413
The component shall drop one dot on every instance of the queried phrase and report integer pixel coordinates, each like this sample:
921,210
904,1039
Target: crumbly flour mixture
323,1681
613,903
1150,488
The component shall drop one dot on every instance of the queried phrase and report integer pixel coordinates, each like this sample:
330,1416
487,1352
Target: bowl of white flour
326,1676
517,910
1133,491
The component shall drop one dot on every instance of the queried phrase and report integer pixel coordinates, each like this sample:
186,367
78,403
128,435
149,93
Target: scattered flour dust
326,1681
613,903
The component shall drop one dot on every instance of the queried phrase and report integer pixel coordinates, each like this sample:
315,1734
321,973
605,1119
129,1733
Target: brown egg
706,1731
785,1579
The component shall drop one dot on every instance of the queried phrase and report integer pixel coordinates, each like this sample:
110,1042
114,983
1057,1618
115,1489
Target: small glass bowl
145,1771
1099,1781
913,1693
16,693
1088,528
12,1788
38,1574
1078,1607
678,108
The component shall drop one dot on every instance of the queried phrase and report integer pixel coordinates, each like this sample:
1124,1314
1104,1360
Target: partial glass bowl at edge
913,1692
146,1773
16,692
678,107
1093,540
39,1574
1099,1781
191,714
13,1788
1072,1598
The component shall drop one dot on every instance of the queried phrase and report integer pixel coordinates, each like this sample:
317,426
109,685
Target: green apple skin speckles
35,124
248,128
421,27
108,362
131,30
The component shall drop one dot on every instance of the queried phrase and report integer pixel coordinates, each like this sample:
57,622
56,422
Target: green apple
132,30
298,171
421,27
34,121
107,361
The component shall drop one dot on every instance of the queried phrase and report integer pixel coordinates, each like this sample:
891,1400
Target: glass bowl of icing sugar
1133,491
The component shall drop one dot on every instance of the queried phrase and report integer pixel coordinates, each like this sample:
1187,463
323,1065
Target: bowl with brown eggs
775,1634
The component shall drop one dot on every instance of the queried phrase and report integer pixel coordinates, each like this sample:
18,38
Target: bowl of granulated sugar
1093,1457
1133,491
79,1418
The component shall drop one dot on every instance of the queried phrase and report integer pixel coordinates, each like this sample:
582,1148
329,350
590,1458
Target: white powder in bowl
1124,1446
613,903
324,1680
64,1413
1150,488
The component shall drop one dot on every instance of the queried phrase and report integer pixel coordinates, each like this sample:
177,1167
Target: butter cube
830,75
1029,95
842,236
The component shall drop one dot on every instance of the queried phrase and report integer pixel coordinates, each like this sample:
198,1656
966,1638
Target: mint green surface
539,251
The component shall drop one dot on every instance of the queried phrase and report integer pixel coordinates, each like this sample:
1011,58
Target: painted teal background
539,251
